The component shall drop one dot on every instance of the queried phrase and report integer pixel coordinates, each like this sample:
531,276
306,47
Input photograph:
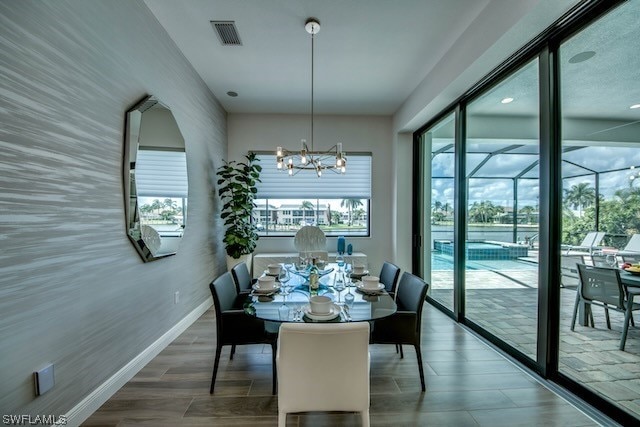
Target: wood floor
468,384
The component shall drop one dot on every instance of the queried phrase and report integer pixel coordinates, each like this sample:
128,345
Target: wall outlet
44,379
176,297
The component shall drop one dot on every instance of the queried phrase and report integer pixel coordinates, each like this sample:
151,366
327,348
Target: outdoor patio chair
569,270
609,260
602,286
633,245
591,242
323,367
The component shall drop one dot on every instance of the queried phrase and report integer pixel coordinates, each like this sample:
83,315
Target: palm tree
484,211
306,206
350,204
580,196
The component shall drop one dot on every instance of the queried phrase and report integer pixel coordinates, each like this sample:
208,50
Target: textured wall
73,291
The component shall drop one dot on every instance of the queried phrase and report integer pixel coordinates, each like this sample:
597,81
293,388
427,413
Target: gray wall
73,291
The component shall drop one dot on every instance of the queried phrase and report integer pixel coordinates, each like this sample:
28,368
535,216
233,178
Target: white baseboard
87,406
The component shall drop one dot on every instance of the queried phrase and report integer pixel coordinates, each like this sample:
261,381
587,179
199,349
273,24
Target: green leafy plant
237,189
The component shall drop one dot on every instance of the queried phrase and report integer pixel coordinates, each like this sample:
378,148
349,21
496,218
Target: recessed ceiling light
506,100
582,56
232,94
634,106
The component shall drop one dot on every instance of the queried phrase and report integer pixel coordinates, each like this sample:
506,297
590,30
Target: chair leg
575,311
419,356
282,419
627,319
215,368
365,418
401,352
632,322
233,351
274,370
590,311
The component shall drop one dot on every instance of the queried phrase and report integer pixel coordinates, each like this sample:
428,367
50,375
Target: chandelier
308,159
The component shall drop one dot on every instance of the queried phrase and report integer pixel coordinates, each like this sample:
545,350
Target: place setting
265,287
370,285
321,308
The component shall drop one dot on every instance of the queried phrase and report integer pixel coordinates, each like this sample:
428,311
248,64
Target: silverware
346,313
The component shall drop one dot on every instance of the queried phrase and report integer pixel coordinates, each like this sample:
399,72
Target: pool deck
505,303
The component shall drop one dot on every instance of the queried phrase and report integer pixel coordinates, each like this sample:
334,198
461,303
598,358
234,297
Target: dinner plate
370,291
333,313
263,291
635,273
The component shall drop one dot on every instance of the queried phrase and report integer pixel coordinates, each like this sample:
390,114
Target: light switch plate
44,379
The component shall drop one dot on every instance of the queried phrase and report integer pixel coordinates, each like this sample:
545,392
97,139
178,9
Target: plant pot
247,259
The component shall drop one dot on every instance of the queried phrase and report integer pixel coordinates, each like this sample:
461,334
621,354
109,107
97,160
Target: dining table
289,302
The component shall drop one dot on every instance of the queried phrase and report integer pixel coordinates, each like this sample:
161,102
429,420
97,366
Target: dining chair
242,278
234,327
389,274
602,260
405,325
569,269
602,286
323,367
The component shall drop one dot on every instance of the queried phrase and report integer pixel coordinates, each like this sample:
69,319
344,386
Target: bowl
320,304
274,268
370,282
266,282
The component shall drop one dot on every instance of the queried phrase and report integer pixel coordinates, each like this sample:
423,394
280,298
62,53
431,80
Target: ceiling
369,54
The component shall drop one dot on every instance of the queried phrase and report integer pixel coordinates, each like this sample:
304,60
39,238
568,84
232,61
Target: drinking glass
340,261
339,285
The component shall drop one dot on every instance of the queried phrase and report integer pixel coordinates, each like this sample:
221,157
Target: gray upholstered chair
389,275
233,326
405,325
242,278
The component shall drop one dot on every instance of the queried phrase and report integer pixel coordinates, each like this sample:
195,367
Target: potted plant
238,190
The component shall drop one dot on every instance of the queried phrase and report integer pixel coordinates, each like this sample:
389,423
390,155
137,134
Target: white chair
633,245
323,367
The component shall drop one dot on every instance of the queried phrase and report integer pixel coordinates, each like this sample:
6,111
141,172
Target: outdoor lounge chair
591,242
632,247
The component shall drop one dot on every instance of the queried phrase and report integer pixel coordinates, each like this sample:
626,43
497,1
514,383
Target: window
338,204
161,180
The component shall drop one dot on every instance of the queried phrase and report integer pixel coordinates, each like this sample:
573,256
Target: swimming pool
440,262
484,249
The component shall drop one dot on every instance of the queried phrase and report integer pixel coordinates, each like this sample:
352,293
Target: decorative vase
349,249
247,259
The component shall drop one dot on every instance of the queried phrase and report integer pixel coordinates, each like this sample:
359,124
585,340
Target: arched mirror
155,180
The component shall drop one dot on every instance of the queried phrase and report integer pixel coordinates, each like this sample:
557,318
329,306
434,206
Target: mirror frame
133,122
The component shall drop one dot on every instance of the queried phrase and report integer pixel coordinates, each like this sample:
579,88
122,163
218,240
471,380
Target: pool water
445,263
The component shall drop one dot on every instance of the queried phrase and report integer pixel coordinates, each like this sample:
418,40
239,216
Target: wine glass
284,310
339,285
349,297
340,261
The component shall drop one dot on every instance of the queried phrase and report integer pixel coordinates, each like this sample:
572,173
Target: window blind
354,183
161,173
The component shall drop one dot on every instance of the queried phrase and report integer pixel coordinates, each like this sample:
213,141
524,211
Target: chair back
309,381
241,277
633,245
609,260
310,238
224,294
389,275
411,293
601,284
593,238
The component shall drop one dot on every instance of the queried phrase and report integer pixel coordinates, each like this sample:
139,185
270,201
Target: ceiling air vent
227,33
